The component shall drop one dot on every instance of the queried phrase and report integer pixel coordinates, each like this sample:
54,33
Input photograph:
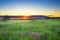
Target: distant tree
5,18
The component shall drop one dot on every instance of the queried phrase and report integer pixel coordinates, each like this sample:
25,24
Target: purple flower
4,33
30,34
22,34
36,35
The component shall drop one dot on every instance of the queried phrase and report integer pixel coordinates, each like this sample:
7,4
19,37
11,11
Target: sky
30,7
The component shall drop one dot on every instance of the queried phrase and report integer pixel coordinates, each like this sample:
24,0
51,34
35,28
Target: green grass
19,29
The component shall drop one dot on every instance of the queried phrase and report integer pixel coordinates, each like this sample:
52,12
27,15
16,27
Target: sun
25,17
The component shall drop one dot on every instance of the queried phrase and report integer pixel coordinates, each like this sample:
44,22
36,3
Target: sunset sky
30,7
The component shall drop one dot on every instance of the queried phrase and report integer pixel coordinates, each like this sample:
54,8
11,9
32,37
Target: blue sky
32,4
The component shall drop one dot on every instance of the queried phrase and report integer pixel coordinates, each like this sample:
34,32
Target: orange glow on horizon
25,17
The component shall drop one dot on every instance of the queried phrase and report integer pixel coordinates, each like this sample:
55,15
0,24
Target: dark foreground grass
41,29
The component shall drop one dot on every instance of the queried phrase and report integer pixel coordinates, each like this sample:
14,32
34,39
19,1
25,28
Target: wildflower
4,33
36,35
22,34
30,34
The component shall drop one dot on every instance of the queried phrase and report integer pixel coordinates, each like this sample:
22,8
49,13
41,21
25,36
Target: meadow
39,29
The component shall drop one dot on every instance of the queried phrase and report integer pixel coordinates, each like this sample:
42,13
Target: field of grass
40,29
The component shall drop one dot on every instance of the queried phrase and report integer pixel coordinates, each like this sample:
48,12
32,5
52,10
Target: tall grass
41,29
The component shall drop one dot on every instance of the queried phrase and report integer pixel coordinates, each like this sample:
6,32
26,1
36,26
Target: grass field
40,29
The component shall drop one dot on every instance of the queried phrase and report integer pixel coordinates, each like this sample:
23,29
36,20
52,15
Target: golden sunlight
25,17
